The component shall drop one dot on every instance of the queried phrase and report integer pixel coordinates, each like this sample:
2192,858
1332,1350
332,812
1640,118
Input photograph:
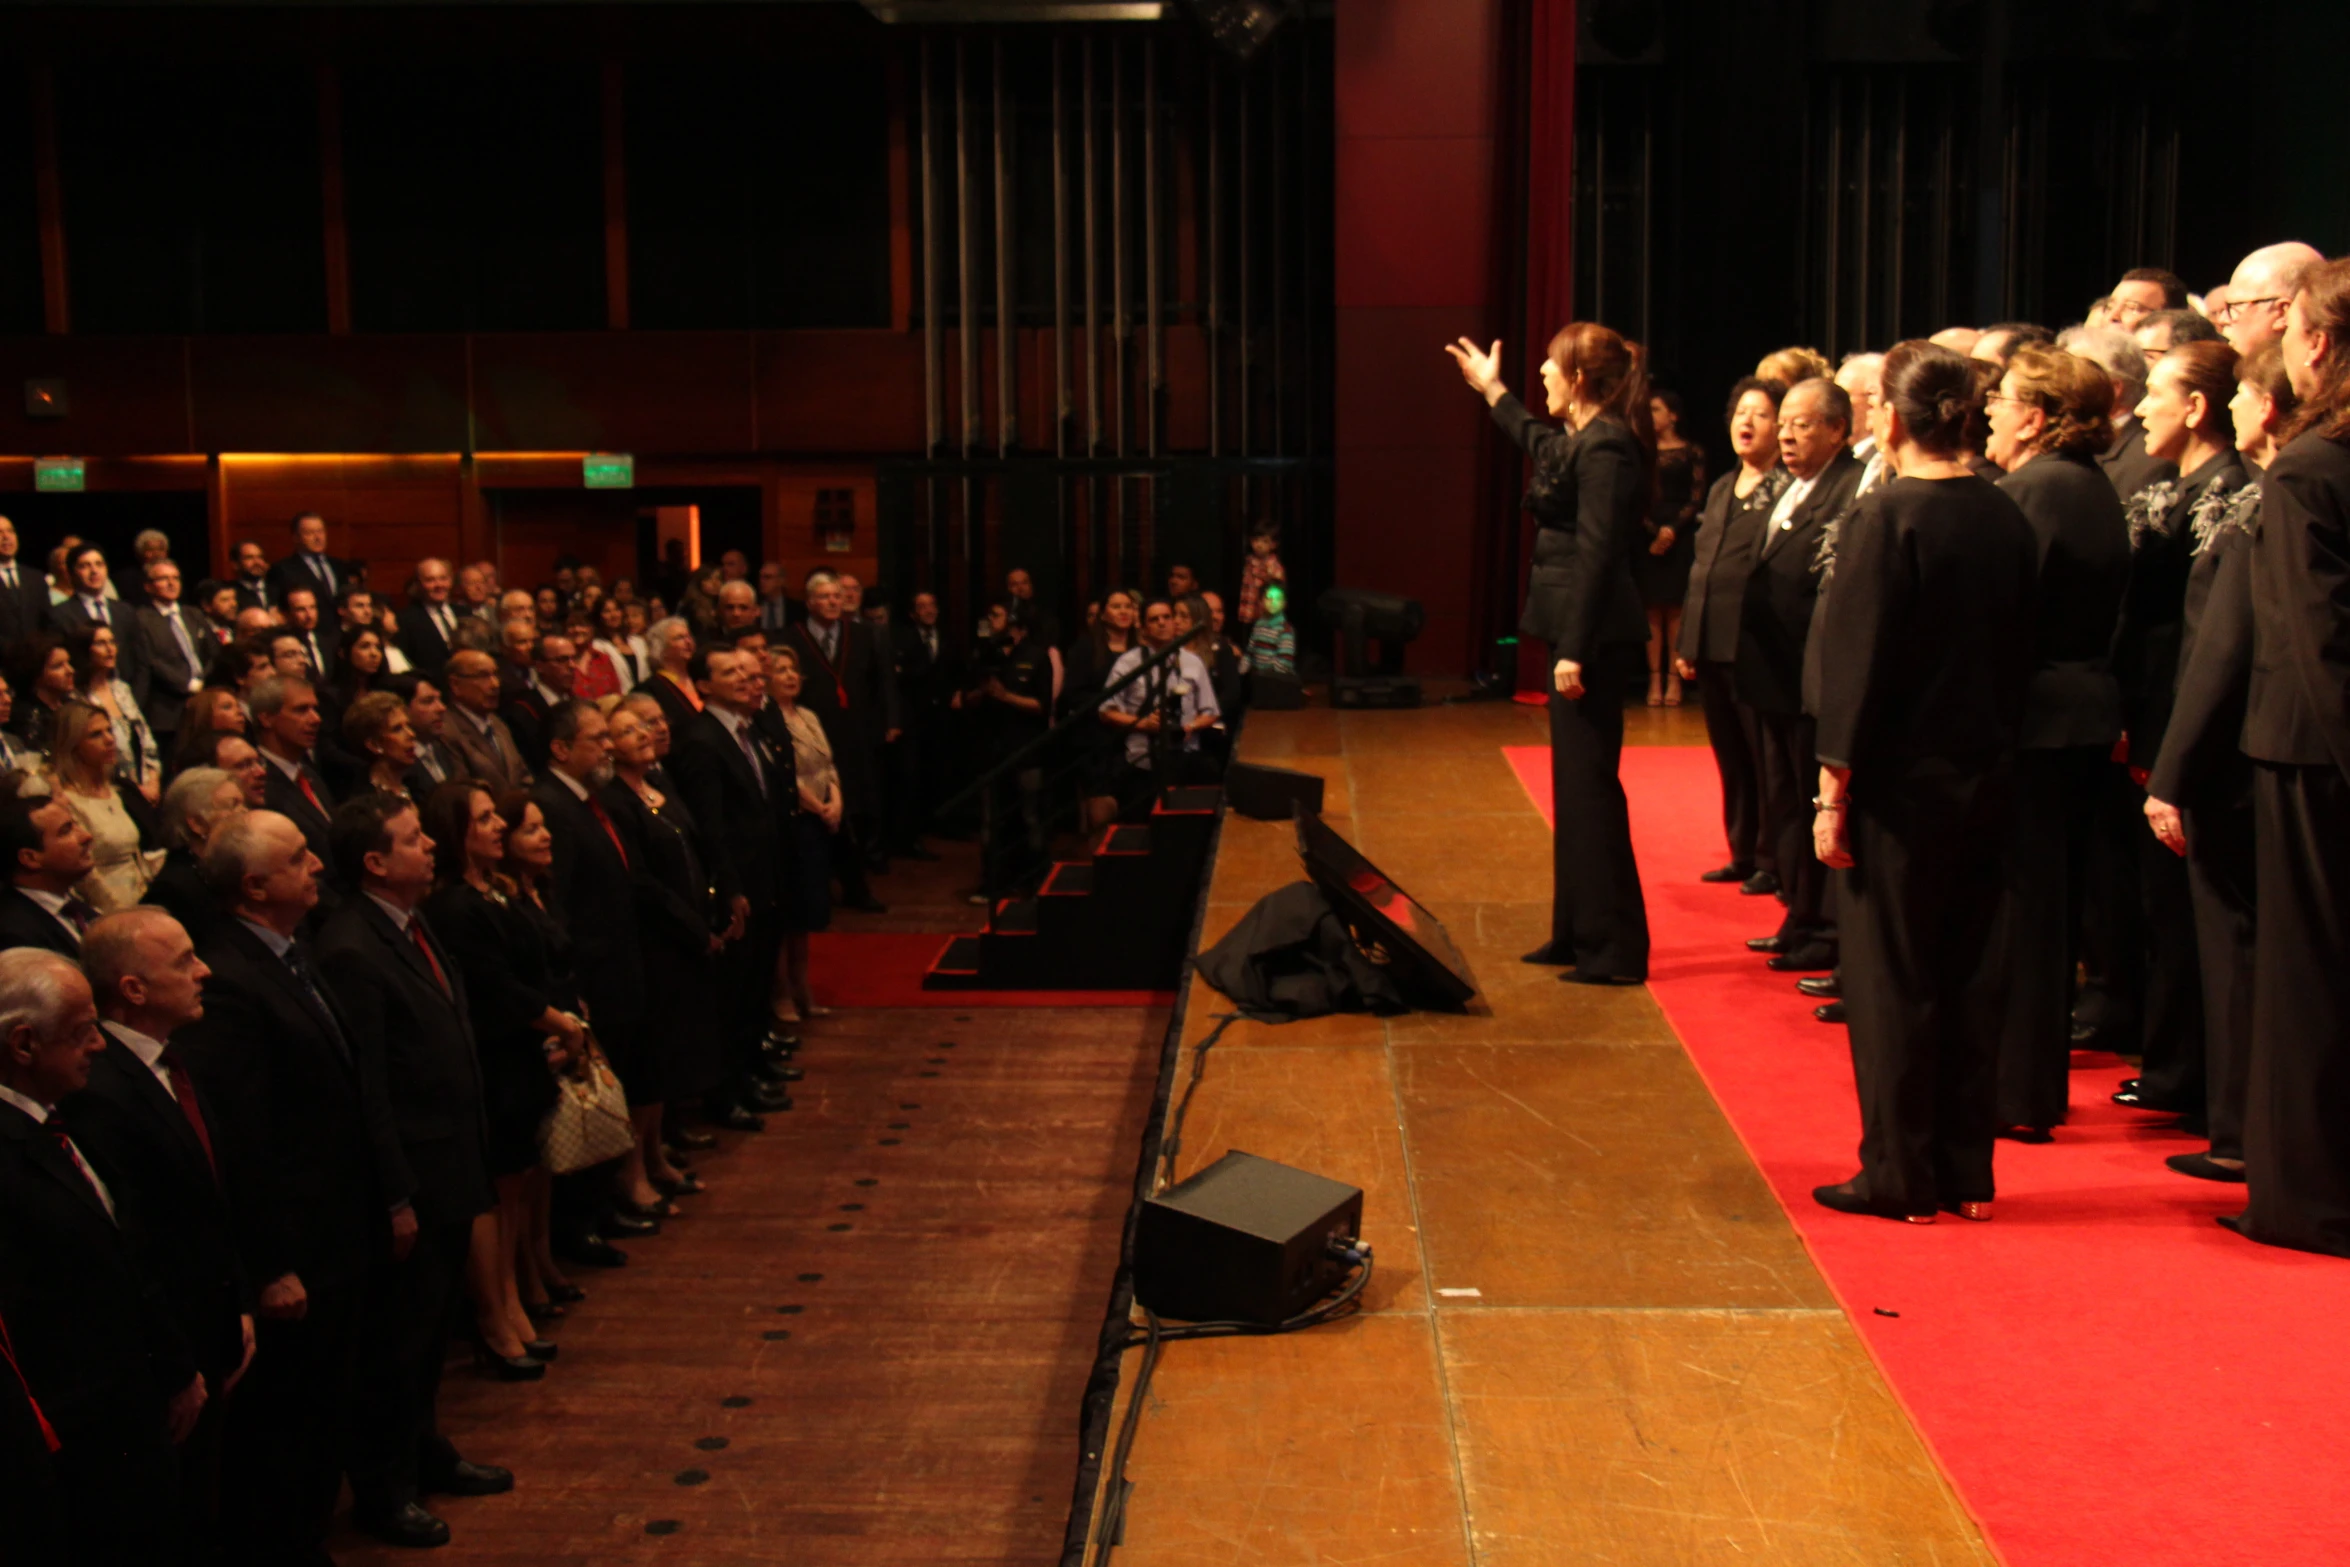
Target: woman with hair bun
1589,495
2049,418
1927,653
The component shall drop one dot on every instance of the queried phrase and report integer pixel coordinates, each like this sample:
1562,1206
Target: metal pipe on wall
1214,197
1277,172
966,307
1121,322
1154,382
1092,349
1007,401
933,370
1247,99
1060,267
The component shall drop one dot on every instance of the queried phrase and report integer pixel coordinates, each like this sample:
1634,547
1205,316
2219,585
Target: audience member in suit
1589,496
199,802
428,716
404,997
1729,531
24,598
146,1124
91,604
518,637
483,745
526,708
738,789
94,1336
310,566
310,626
28,1475
928,671
846,684
295,1134
172,645
2048,421
1815,425
251,577
286,724
428,627
48,852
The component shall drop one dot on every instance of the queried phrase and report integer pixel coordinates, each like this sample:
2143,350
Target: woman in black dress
525,1015
2049,418
1928,648
1662,569
1589,493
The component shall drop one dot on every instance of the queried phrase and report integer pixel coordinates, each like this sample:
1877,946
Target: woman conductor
1589,494
1929,645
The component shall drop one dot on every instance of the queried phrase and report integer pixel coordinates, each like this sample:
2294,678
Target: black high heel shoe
543,1350
507,1368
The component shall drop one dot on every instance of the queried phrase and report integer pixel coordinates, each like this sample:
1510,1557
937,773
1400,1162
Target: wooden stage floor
1592,1337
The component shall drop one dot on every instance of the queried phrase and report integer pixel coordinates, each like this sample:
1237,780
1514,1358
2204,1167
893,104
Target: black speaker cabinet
1271,794
1427,967
1244,1240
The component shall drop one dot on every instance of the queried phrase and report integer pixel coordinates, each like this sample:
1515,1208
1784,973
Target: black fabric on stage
1290,957
1597,912
1737,744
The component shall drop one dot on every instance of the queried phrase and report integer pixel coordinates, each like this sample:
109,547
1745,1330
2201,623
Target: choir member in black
1589,494
1661,568
2297,732
146,1125
1815,428
2048,421
97,1342
2199,796
1729,530
404,999
684,932
1927,648
523,1003
2184,425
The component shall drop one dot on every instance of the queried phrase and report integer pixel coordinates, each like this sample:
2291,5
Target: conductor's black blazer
2084,543
2299,712
1590,494
170,1197
295,1131
1782,588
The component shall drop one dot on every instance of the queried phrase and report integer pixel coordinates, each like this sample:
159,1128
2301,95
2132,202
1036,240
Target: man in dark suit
428,627
24,597
91,605
317,632
473,729
405,1004
845,682
251,577
310,566
929,672
1815,423
147,1126
738,787
92,1334
173,644
48,852
296,1139
286,722
528,707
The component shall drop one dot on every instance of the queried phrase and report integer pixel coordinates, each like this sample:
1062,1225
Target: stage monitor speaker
1244,1240
1427,967
1271,794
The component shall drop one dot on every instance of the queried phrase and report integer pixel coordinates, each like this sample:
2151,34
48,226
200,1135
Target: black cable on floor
1171,1141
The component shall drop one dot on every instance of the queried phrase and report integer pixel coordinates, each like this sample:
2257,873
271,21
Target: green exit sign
608,470
58,473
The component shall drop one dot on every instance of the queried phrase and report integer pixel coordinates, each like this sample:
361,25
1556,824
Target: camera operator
1163,713
1015,697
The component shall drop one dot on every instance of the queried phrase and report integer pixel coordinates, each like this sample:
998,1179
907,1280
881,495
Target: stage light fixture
1361,617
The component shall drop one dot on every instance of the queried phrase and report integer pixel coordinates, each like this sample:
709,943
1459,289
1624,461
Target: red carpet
885,969
2106,1375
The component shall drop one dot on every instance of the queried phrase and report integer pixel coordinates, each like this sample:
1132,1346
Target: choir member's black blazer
738,822
294,1129
1728,530
24,923
1926,643
2129,467
1590,494
2299,712
2202,762
2153,623
416,1055
2084,572
94,1336
1782,587
595,891
170,1199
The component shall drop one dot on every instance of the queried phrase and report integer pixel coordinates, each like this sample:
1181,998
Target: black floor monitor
1426,965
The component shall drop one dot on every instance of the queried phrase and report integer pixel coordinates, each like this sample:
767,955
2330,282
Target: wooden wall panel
841,392
128,396
327,394
388,511
643,392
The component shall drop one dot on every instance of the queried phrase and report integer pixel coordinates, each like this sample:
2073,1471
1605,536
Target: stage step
956,967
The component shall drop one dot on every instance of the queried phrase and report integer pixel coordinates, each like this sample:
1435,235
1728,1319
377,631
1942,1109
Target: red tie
8,1353
183,1088
302,781
604,821
439,977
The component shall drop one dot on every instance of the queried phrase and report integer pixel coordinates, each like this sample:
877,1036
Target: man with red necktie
286,723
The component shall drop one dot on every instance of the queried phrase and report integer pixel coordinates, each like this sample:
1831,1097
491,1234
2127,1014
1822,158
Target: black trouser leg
2171,1034
400,1372
283,1442
2220,860
1597,910
2111,938
2054,796
848,864
118,1486
1791,776
1730,731
2297,1114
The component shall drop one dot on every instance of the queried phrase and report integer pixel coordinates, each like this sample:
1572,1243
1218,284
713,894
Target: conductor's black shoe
1848,1198
1552,953
464,1478
591,1251
1813,957
1820,985
1831,1012
1576,976
2027,1134
407,1524
1731,872
2204,1167
1771,944
1760,884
